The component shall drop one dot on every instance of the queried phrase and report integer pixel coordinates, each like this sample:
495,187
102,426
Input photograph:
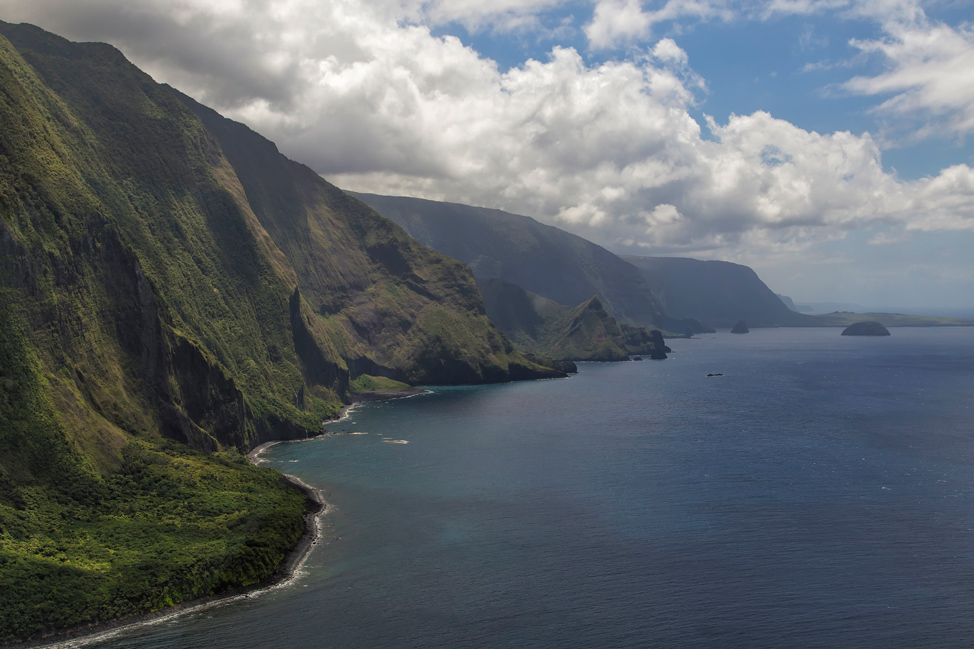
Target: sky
829,144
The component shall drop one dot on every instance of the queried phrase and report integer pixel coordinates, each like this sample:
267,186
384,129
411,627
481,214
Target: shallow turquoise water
819,494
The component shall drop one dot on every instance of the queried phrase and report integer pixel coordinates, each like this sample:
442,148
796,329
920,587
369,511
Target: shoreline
287,572
386,395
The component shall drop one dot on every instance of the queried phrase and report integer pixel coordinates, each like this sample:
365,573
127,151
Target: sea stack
866,328
740,327
659,347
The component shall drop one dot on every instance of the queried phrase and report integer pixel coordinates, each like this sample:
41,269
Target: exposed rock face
740,327
866,328
178,276
542,259
541,326
659,346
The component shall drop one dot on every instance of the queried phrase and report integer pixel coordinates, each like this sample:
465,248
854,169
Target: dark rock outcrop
568,367
541,326
659,346
740,327
866,328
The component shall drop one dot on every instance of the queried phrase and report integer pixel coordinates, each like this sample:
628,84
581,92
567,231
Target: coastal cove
817,494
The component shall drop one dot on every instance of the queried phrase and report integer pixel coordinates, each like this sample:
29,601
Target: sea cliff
173,293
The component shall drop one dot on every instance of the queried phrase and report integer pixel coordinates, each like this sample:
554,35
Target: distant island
866,328
740,327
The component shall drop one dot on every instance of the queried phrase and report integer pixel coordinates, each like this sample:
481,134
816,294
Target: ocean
818,494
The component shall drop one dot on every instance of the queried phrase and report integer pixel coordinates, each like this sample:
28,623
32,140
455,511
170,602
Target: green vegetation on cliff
170,525
174,291
366,383
541,326
385,304
517,249
166,525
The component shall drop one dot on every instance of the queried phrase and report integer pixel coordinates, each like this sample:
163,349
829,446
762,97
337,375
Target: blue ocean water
819,494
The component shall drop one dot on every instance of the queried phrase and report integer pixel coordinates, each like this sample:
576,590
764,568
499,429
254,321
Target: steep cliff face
146,293
717,293
186,279
389,305
517,249
171,287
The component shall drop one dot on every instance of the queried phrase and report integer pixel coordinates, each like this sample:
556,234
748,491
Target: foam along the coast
287,573
395,441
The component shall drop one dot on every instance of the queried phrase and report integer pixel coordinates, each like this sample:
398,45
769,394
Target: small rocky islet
866,328
740,327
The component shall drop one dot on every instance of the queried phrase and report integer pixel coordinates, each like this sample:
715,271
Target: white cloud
945,201
376,103
622,22
476,14
928,81
617,20
667,51
930,76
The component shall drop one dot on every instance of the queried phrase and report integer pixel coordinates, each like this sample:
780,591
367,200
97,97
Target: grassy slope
166,525
367,383
143,300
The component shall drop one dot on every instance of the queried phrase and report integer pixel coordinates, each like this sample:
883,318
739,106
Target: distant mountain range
517,249
673,294
717,292
542,326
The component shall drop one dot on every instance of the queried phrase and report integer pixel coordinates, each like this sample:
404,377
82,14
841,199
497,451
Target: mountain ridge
540,258
585,332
